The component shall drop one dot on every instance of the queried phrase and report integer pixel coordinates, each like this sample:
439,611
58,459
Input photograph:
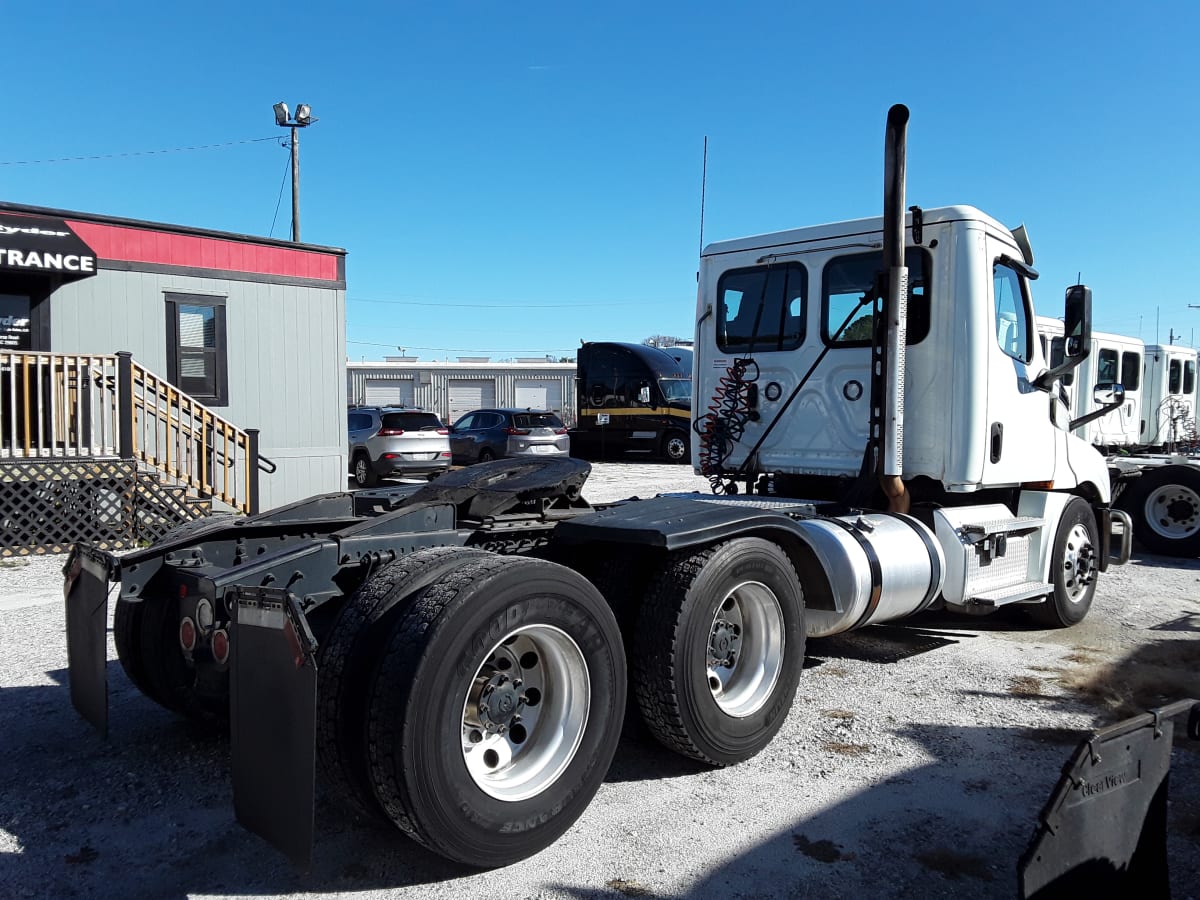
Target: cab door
1020,435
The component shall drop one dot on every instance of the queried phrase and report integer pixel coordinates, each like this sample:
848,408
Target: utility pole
303,119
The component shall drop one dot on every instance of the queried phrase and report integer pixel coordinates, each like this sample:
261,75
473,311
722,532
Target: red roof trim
116,242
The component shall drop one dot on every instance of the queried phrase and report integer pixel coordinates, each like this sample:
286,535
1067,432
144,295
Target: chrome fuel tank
879,567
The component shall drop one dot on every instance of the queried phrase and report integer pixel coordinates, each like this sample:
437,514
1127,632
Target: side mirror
1077,322
1108,396
644,394
1077,334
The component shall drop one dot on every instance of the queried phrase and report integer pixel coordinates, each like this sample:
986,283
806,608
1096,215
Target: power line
287,165
34,162
500,304
462,349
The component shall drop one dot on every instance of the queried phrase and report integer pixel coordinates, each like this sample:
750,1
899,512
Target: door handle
997,441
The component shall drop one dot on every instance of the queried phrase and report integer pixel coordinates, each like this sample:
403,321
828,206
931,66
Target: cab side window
1106,368
762,308
1013,333
1131,371
847,280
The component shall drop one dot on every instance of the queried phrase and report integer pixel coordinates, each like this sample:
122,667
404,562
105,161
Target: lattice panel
160,507
47,506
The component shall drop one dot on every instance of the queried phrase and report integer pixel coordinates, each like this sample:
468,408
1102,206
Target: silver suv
395,441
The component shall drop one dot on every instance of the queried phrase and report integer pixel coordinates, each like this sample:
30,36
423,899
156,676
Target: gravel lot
897,774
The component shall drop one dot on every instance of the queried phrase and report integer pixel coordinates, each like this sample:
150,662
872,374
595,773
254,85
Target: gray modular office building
251,328
451,389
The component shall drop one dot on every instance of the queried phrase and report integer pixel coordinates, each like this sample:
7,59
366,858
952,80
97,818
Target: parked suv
394,441
494,433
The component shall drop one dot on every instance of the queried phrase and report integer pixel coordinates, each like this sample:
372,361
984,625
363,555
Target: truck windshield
676,388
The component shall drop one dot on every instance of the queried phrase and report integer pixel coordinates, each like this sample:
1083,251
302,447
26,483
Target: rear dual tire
1164,504
718,650
347,661
478,704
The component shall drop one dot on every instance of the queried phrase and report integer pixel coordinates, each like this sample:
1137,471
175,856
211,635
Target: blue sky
511,179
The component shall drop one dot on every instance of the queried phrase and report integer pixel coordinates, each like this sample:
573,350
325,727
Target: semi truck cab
977,412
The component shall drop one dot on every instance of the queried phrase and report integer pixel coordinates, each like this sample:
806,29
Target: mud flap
85,590
1104,831
273,719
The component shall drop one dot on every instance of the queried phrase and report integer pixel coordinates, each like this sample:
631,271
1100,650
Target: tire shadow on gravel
947,829
149,812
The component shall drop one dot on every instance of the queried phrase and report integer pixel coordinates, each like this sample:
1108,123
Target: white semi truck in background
1150,440
883,435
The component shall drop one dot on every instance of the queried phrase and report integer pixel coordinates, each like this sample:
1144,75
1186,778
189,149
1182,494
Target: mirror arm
1046,380
1096,414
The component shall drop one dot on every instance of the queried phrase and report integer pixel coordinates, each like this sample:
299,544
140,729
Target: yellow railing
64,405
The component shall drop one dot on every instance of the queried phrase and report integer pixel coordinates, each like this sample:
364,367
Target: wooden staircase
98,448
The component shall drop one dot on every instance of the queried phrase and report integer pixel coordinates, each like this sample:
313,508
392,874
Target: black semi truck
632,399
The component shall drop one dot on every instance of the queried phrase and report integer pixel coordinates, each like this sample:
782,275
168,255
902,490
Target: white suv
395,441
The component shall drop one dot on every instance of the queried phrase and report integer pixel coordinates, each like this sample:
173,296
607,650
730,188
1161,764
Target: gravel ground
913,764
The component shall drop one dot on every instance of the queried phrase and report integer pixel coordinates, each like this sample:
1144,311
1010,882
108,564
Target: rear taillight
187,634
443,431
445,454
389,456
220,646
390,432
560,431
511,430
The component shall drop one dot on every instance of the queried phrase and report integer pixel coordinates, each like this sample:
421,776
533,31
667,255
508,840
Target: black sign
14,322
38,245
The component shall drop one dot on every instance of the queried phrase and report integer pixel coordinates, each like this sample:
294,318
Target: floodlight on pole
283,119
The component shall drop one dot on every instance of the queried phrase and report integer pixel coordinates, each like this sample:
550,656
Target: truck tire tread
1058,610
655,681
127,624
1133,501
347,660
432,618
657,661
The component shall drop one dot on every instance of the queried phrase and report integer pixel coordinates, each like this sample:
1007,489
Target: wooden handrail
105,405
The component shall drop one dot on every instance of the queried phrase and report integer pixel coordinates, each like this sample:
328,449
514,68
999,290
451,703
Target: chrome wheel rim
360,471
525,712
1079,563
745,649
676,448
1173,512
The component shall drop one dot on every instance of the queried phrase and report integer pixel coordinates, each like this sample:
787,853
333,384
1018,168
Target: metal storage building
451,389
223,327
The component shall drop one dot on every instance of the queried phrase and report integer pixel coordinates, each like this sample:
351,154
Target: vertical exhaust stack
895,310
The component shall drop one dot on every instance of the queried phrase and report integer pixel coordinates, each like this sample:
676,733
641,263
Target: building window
196,347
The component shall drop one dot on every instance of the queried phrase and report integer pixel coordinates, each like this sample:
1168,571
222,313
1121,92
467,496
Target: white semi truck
883,436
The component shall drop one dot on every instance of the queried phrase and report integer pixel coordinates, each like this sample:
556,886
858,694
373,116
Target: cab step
986,601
